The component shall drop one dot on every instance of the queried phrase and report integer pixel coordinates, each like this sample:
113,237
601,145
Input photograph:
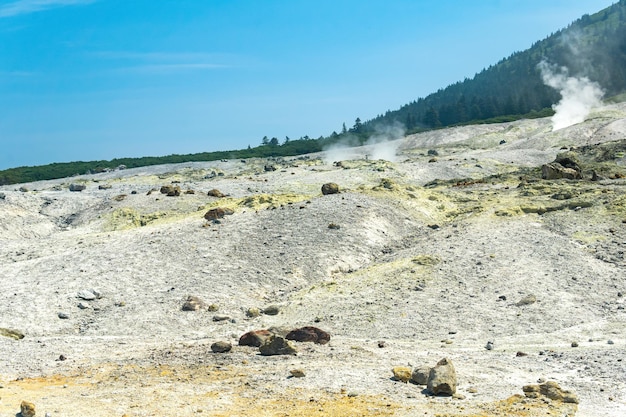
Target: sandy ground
427,258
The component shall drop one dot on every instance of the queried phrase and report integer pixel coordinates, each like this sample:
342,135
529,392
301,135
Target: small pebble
297,373
574,344
489,346
610,342
63,316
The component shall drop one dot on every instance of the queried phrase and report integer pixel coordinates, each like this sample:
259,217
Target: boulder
309,334
27,409
442,378
193,303
401,373
86,295
420,375
330,188
215,193
254,338
277,345
272,310
77,187
221,347
170,190
217,213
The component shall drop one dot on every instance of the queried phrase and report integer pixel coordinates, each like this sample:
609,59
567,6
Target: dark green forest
593,46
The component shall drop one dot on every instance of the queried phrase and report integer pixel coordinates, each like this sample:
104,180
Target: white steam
383,144
578,95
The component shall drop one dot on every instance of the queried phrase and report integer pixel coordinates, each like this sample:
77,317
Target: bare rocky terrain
456,249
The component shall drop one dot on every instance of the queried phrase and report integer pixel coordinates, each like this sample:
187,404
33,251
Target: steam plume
381,145
578,95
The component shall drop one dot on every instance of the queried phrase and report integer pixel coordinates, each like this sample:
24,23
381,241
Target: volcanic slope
456,243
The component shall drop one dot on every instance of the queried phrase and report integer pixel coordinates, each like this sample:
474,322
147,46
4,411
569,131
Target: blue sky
100,79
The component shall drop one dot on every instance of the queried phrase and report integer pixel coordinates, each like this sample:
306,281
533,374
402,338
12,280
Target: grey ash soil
430,257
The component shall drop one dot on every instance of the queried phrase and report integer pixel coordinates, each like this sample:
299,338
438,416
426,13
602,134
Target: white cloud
31,6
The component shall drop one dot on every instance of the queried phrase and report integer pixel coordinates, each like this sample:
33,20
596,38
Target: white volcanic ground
432,270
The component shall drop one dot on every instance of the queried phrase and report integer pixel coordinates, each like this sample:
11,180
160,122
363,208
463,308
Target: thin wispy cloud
168,68
164,62
21,7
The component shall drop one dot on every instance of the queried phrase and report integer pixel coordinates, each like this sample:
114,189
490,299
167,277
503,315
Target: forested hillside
593,46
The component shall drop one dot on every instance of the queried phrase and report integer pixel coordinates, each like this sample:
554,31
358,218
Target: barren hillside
456,244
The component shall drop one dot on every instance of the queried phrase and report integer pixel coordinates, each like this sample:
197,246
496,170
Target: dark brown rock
170,190
309,334
215,193
218,213
330,188
254,338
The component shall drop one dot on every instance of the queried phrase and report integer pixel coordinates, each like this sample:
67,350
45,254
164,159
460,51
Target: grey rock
221,317
77,187
528,300
271,310
86,295
221,347
193,303
442,378
63,316
420,375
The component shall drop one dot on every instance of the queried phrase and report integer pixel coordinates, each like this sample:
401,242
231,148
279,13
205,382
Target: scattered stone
610,342
382,344
11,334
86,295
472,390
221,317
277,345
77,187
574,344
521,354
253,312
309,334
254,338
528,300
105,187
62,358
213,307
63,316
330,188
170,190
27,409
432,152
433,226
420,375
334,226
221,347
193,303
3,196
489,346
83,306
215,193
401,373
442,378
218,213
272,310
550,390
297,373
